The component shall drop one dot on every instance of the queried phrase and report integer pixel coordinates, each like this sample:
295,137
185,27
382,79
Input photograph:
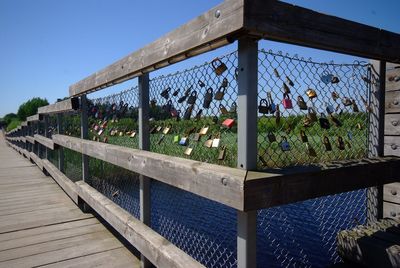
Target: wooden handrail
67,105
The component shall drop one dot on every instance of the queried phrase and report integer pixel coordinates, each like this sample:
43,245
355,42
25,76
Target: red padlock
228,123
287,102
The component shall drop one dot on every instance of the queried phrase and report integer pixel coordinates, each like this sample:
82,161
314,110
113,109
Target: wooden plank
66,184
36,160
44,141
30,139
63,106
153,246
393,78
392,102
391,192
218,183
33,118
200,35
391,210
392,124
392,145
263,190
24,124
283,22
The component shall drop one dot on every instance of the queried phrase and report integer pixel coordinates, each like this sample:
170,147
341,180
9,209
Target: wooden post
85,158
376,135
247,144
46,134
60,149
144,144
38,144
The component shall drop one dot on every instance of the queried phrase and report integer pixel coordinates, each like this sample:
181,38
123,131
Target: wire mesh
118,184
71,124
113,118
72,165
311,112
53,157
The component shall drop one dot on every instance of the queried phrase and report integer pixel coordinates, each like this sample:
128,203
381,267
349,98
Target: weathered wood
218,183
67,105
392,145
391,192
33,118
30,139
391,210
202,34
24,124
156,248
36,160
263,190
393,78
392,102
66,184
44,141
392,124
279,21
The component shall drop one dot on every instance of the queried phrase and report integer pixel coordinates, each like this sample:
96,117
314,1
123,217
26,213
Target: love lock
263,107
218,66
192,98
327,143
301,103
287,102
285,146
208,98
311,93
165,93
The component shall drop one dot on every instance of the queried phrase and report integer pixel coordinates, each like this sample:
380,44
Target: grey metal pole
38,144
247,144
60,130
85,158
46,134
144,144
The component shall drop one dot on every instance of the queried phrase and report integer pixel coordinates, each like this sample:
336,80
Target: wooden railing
241,188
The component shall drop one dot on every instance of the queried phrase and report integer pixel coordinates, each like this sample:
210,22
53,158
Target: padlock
277,115
190,131
367,106
335,95
153,103
188,112
289,81
233,108
165,93
185,95
208,98
271,137
158,129
196,137
359,126
301,103
219,95
203,130
198,114
346,101
121,133
168,106
133,134
153,130
285,146
176,92
166,130
160,139
335,120
286,89
228,123
215,119
100,131
335,80
176,139
327,143
184,141
263,107
222,153
208,143
311,93
349,135
201,83
311,150
276,73
326,77
287,102
188,151
329,108
324,122
303,136
355,106
96,127
272,106
192,98
340,143
218,66
312,115
216,140
223,109
174,112
105,140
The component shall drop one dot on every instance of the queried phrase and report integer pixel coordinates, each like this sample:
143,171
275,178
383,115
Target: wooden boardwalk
41,227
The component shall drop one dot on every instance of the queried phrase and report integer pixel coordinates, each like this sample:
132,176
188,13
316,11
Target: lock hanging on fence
219,95
216,140
301,103
222,153
340,143
188,112
176,92
198,114
192,98
311,150
208,98
285,146
208,143
303,136
311,93
287,102
271,137
184,141
324,122
327,144
223,109
272,106
165,93
335,120
228,123
263,107
329,108
218,66
355,106
188,151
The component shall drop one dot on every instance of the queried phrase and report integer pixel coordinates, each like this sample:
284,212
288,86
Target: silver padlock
329,108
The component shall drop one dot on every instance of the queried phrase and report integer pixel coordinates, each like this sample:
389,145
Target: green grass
13,124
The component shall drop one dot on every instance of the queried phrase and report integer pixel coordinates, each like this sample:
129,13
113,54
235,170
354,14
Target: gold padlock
218,66
311,151
203,130
303,136
166,129
208,143
223,110
222,153
286,89
188,151
311,93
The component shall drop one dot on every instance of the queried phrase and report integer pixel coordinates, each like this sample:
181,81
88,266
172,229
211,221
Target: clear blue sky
47,45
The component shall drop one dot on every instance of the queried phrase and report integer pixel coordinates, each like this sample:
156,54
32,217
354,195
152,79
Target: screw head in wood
217,13
394,146
224,181
393,192
395,123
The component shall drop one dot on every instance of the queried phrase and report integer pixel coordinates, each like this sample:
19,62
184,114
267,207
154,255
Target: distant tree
30,107
9,117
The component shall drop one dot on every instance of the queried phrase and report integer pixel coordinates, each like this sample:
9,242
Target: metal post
46,134
60,130
144,144
85,158
376,135
247,144
38,144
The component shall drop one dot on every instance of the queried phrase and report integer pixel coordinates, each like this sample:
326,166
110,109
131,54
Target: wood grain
392,145
391,192
44,141
392,102
392,124
67,105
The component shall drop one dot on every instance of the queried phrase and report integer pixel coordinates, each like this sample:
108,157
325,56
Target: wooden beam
66,184
36,160
392,102
44,141
30,139
392,145
218,183
24,124
206,32
263,190
160,251
283,22
67,105
33,118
